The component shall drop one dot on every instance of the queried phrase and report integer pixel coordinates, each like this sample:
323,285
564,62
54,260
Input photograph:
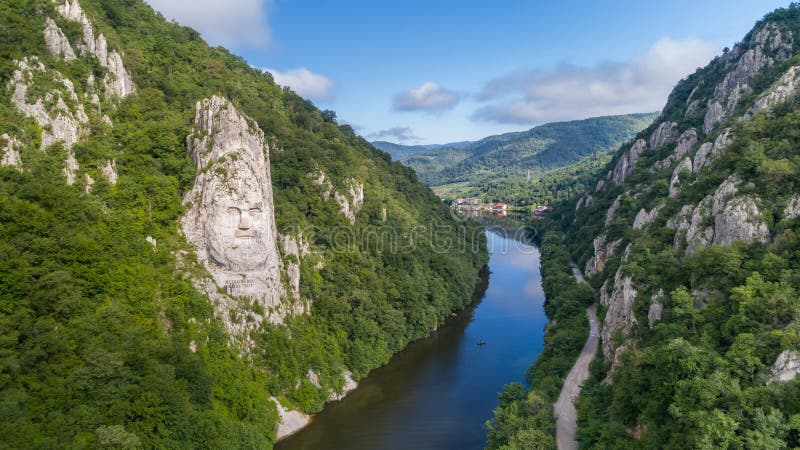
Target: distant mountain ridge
400,152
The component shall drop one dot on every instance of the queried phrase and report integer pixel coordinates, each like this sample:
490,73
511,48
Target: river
439,391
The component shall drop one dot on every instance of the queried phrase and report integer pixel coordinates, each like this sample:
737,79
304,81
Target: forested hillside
524,168
690,240
114,333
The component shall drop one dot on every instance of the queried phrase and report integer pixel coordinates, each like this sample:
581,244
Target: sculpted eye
254,211
233,210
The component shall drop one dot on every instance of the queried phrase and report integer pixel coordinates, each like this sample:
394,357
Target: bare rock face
665,133
602,252
230,218
290,246
786,367
656,309
57,43
619,316
71,168
624,166
643,218
11,156
721,219
118,81
349,385
58,111
612,210
109,171
740,221
351,202
792,210
675,181
290,421
767,40
686,143
786,87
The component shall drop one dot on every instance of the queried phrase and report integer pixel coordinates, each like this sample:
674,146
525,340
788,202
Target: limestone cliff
230,217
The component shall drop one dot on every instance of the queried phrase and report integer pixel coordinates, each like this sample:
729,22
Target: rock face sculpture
230,219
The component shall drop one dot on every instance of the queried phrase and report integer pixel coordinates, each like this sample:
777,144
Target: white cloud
229,23
571,92
398,134
305,83
428,97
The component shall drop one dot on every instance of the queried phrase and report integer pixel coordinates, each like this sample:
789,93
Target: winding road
566,422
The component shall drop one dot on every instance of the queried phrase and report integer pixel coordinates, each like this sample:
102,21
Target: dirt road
564,408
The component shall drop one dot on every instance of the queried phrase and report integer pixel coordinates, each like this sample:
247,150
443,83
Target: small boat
481,342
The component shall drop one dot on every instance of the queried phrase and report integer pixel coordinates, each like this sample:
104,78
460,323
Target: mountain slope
689,238
510,158
159,295
400,152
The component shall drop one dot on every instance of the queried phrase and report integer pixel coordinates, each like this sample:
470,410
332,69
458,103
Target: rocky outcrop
643,218
665,133
109,171
686,143
117,81
764,47
721,219
624,166
740,221
230,217
57,43
612,210
10,156
71,168
290,421
675,181
792,209
350,203
291,247
656,309
786,367
58,112
784,89
602,252
709,152
619,319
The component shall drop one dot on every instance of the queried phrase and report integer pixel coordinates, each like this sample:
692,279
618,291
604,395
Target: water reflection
438,392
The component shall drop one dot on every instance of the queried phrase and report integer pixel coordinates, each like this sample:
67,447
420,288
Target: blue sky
439,71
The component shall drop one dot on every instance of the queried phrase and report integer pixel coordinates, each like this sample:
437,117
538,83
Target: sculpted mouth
245,233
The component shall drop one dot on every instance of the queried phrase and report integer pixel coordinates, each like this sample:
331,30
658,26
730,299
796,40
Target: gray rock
714,115
71,168
643,218
665,133
701,156
230,217
57,43
626,164
602,252
612,210
59,122
118,81
785,88
675,181
11,156
109,171
786,367
619,318
290,246
686,143
656,308
792,210
740,221
350,203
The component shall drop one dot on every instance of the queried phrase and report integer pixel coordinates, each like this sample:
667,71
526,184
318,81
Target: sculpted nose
244,221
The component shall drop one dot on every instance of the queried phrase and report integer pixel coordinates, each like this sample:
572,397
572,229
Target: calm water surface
438,392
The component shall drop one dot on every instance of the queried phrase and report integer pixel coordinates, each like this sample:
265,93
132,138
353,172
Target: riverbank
438,392
528,417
